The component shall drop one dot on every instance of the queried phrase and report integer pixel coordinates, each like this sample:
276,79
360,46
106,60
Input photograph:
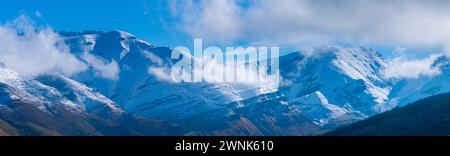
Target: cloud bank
101,67
31,51
317,22
400,67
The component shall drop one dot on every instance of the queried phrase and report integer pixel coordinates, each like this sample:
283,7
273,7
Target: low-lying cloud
31,51
102,68
400,67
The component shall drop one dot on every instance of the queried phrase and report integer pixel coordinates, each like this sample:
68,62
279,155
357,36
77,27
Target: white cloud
154,58
102,68
161,73
252,78
31,51
216,18
403,68
306,22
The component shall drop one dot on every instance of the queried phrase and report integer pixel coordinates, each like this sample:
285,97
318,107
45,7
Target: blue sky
150,20
286,23
147,19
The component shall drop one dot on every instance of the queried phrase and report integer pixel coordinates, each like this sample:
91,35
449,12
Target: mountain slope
128,77
133,57
29,107
93,102
141,91
337,82
409,90
337,86
268,114
429,116
138,90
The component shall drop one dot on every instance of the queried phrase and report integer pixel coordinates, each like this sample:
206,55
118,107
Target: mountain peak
110,45
123,34
339,74
79,33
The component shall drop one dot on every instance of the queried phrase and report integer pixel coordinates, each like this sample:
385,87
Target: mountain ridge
336,87
29,107
349,82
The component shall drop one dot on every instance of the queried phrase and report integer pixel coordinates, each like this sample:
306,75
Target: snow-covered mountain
337,83
57,105
142,90
128,77
16,88
92,101
410,90
338,86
